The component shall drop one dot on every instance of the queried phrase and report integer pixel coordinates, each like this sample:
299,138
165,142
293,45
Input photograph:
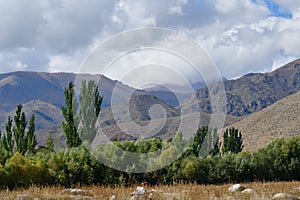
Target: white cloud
174,9
240,36
282,60
290,5
20,66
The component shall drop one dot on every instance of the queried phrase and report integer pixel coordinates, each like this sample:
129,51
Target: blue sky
239,36
276,10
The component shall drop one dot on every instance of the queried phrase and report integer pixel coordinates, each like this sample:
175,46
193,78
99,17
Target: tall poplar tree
232,141
70,114
30,137
16,139
7,141
19,130
90,106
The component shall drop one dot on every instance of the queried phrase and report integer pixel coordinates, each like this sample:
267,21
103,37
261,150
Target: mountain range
247,99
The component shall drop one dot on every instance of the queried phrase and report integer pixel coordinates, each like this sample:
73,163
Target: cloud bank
239,36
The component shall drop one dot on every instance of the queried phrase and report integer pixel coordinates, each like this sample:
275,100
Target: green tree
215,150
210,143
20,124
90,106
50,143
31,138
179,142
70,115
197,142
7,141
15,138
232,141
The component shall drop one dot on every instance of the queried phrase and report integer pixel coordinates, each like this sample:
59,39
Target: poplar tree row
17,138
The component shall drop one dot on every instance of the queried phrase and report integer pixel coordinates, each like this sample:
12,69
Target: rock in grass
249,191
78,192
236,188
283,196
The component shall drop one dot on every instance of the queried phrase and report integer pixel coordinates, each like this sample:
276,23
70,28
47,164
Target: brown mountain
22,87
281,119
251,92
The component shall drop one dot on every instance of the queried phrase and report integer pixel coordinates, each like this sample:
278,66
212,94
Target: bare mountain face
281,119
22,87
42,94
173,94
251,92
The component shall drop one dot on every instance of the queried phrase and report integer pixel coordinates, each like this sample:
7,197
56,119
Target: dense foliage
280,160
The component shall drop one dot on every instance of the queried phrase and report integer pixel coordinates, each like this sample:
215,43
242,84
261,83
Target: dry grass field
186,191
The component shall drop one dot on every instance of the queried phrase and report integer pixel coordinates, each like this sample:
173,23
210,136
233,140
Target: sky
239,36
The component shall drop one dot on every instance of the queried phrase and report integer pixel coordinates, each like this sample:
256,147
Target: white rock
249,191
140,190
65,192
75,192
151,195
236,188
283,196
78,192
113,197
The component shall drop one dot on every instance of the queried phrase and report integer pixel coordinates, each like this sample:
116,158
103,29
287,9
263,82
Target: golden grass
187,191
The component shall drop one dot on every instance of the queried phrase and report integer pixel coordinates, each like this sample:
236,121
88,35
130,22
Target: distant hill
46,115
281,119
251,92
138,108
22,87
175,94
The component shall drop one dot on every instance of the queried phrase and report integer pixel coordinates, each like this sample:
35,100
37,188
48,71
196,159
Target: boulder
75,192
283,196
236,188
249,191
140,190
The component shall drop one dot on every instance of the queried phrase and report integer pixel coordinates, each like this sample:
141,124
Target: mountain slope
251,92
22,87
281,119
137,110
46,115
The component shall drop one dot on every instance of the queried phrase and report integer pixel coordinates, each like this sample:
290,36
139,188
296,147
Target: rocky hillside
280,119
22,87
252,92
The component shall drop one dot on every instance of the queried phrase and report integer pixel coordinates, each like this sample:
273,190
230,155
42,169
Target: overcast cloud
240,36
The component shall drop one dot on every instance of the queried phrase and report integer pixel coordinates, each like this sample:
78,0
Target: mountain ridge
280,119
252,92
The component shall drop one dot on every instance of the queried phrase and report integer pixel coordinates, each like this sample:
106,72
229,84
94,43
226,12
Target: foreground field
186,191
